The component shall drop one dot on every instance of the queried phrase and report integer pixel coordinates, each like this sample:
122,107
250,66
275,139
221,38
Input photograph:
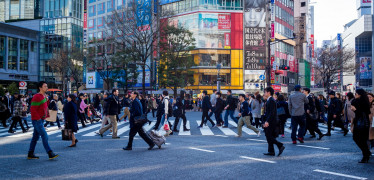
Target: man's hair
205,92
242,95
165,93
114,90
307,90
270,89
214,90
219,93
229,91
136,93
40,84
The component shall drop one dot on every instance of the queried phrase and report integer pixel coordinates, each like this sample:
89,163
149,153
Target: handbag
65,135
52,116
140,120
362,122
166,126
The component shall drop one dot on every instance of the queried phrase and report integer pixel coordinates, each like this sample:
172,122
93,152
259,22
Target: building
15,10
19,57
357,35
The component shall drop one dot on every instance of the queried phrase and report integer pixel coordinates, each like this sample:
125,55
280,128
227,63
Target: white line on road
257,159
339,174
205,130
259,140
201,149
315,147
221,135
184,133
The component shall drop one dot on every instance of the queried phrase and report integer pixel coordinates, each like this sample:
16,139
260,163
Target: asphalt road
208,153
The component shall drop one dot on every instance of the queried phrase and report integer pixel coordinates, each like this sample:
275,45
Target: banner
254,34
365,68
224,21
312,44
227,41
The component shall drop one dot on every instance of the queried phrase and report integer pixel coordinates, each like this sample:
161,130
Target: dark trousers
361,137
218,116
159,121
271,141
295,122
312,125
282,123
337,123
183,116
153,112
138,129
205,116
257,122
82,117
211,113
16,119
57,121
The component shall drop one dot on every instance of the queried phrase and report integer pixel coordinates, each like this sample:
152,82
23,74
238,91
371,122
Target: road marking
227,131
88,128
205,130
167,143
221,135
339,174
147,126
244,128
315,147
123,130
201,149
259,140
257,159
184,133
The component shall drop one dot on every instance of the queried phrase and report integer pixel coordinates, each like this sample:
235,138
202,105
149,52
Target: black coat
135,111
220,105
113,106
181,107
284,117
70,114
334,108
144,105
206,104
272,118
231,102
244,109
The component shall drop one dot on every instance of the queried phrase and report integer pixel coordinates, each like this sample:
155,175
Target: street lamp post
218,78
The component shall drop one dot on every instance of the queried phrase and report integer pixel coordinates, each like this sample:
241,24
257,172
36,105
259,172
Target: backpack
170,108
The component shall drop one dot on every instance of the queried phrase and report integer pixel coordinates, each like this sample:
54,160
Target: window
92,11
303,4
92,1
119,4
12,53
100,22
110,5
101,8
91,23
24,55
2,51
100,36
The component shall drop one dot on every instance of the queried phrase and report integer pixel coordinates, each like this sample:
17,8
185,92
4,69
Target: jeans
323,117
295,122
25,121
39,131
231,113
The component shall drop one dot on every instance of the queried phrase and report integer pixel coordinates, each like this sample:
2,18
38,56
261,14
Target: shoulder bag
140,120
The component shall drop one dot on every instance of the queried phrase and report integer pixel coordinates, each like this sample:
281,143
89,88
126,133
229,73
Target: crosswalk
123,129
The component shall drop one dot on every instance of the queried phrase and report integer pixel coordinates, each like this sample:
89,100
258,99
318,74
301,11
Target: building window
12,53
92,1
303,4
100,36
100,22
2,51
101,8
92,11
91,23
24,55
209,79
110,5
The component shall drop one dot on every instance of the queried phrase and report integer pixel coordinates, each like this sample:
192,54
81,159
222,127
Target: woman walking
17,114
82,106
71,118
348,114
256,110
361,107
371,131
285,114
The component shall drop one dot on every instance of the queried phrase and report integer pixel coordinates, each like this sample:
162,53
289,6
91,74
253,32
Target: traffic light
284,67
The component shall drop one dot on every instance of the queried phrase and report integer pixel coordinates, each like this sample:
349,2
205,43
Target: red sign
85,21
366,1
312,43
291,62
22,84
272,32
272,76
224,21
276,87
227,40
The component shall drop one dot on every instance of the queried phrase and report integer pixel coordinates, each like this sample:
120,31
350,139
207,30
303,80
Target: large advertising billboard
254,34
365,68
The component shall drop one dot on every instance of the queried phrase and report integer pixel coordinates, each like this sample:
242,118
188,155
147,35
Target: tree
2,90
331,62
176,60
129,72
13,88
59,66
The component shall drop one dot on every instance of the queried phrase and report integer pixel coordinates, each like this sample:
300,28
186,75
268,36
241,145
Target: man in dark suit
271,124
207,107
180,112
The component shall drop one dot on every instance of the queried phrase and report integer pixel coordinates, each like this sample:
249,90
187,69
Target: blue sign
143,14
257,85
272,1
262,77
162,2
339,37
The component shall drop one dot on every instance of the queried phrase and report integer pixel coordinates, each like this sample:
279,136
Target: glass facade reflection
2,51
24,55
20,9
12,53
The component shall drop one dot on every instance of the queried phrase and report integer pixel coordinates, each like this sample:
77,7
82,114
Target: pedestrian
71,118
126,104
144,102
17,114
160,112
257,105
371,116
25,107
136,110
97,103
284,115
3,112
230,109
180,112
213,101
361,123
112,108
220,106
104,111
166,111
39,112
244,117
334,114
154,105
81,112
53,106
348,114
323,105
271,124
296,103
207,107
311,114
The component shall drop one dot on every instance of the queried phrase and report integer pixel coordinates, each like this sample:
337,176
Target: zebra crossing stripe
88,128
205,130
244,129
123,130
184,133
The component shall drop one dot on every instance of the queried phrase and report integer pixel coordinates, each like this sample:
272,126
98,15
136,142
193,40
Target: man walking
296,103
271,125
181,112
207,107
230,109
112,108
213,101
244,117
39,112
311,114
334,111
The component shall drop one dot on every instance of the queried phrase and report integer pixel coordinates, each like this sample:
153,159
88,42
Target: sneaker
294,142
52,155
282,136
259,134
301,140
31,155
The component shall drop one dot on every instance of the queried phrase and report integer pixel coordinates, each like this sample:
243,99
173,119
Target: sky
331,16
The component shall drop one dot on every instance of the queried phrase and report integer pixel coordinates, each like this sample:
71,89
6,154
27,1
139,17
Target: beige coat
371,132
350,113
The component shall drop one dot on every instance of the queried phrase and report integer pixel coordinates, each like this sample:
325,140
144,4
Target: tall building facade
13,10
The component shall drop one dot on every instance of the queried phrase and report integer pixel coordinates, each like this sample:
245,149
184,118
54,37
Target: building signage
254,35
91,80
85,15
312,44
276,87
365,68
272,76
224,21
272,32
162,2
227,41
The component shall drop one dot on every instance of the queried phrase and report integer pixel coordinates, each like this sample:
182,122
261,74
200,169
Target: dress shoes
151,147
320,137
269,154
281,150
127,148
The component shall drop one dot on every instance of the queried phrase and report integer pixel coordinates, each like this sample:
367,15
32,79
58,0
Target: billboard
254,34
224,21
365,68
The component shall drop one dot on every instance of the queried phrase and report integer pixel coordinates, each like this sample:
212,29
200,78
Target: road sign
22,84
262,77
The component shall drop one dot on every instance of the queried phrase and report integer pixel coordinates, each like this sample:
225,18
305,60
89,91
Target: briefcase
65,135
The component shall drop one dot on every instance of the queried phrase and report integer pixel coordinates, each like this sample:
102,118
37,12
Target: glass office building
20,9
